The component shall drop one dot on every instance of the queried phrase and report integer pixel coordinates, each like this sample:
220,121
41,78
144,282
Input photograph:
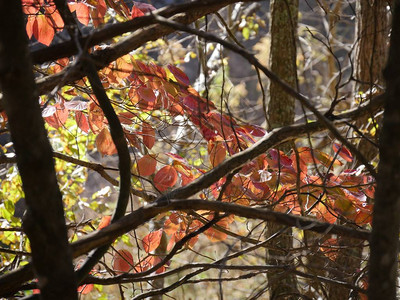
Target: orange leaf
152,241
165,178
123,66
136,12
170,227
215,235
326,159
104,143
148,135
96,118
146,166
105,221
82,12
123,261
45,32
217,152
31,26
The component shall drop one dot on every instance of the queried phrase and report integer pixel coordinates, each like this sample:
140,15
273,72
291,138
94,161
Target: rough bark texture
283,61
373,37
386,216
44,221
281,110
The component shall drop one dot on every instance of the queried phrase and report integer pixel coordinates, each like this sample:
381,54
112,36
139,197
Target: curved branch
124,163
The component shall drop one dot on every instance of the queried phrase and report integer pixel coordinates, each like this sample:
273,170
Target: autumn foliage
175,135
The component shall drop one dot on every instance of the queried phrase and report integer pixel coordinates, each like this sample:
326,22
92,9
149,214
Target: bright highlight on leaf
165,178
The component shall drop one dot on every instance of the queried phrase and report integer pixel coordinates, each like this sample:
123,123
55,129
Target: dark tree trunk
44,221
386,217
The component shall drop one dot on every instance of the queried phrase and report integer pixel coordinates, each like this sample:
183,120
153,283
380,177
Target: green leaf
246,33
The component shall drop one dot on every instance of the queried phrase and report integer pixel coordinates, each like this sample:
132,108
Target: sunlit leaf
104,143
152,241
165,178
180,76
105,221
146,166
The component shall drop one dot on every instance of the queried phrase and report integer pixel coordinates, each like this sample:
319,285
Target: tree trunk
281,111
372,37
283,61
386,216
44,221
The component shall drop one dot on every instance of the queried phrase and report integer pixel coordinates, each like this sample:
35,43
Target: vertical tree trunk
372,37
283,61
386,217
44,221
281,111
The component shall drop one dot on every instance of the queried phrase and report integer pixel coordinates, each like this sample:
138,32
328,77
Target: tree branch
273,77
102,58
44,220
11,281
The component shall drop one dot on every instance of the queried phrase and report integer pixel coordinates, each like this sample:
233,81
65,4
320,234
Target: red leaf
146,166
146,94
56,115
82,121
152,241
104,143
85,289
144,7
180,76
105,221
165,178
148,135
123,261
136,12
343,152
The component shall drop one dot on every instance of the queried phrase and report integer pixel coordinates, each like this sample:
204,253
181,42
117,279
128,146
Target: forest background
202,149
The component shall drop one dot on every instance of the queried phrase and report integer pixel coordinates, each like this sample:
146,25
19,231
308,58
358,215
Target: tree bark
283,61
44,221
386,215
281,111
373,37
